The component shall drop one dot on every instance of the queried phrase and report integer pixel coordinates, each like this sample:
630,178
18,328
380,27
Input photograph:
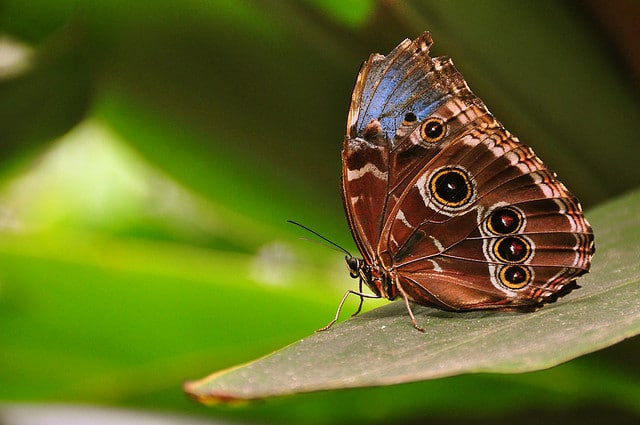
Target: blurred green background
151,153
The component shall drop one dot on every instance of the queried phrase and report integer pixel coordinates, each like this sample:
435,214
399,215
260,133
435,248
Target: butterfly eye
353,265
514,277
432,130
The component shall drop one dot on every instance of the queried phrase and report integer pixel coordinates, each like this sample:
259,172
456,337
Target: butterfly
448,208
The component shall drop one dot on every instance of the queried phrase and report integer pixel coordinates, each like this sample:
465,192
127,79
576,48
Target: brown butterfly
447,208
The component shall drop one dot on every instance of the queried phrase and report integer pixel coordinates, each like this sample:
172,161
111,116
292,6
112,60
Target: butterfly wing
385,88
457,211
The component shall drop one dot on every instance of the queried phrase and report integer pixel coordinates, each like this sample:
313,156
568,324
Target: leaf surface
381,347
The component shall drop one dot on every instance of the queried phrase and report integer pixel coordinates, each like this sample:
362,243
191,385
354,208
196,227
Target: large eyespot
432,130
451,187
512,249
515,277
505,221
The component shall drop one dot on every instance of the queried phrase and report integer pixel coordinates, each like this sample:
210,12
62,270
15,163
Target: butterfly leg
361,300
344,298
406,303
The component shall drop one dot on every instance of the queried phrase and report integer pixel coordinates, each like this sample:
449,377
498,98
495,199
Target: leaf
381,347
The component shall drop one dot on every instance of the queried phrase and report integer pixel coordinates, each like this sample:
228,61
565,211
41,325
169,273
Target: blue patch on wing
401,82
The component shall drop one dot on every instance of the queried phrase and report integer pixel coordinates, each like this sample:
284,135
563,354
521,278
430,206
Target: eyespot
409,118
432,130
451,187
505,221
512,249
515,277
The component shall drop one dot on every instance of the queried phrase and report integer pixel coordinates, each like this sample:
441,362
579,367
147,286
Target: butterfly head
374,276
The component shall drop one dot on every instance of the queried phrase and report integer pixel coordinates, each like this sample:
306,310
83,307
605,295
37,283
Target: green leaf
382,348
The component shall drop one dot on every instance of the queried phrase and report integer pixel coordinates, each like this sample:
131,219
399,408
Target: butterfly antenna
331,243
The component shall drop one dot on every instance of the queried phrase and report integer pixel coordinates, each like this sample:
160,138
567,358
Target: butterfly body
447,207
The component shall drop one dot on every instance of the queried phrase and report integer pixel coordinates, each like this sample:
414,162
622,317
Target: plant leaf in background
381,348
151,153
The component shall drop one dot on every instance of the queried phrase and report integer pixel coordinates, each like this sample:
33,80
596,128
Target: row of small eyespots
510,248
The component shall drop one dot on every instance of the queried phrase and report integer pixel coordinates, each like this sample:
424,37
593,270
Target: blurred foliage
151,153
